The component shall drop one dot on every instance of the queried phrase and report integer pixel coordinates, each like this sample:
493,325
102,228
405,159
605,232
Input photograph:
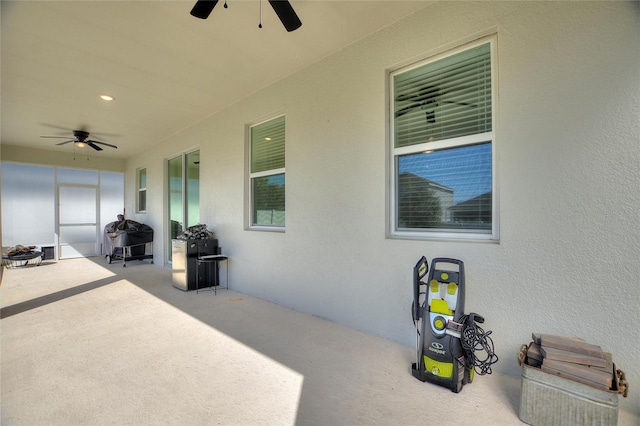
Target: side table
213,259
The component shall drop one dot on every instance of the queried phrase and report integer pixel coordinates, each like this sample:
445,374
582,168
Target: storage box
48,252
547,399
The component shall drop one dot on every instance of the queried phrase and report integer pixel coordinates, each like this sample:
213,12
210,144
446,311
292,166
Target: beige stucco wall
568,164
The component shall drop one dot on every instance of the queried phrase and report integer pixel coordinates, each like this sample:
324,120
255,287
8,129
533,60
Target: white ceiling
166,69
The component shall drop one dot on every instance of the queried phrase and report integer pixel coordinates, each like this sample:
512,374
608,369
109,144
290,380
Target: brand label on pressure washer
437,348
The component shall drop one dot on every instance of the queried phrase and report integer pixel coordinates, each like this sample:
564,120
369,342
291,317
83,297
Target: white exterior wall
569,184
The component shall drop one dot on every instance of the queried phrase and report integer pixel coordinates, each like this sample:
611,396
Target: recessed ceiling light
106,98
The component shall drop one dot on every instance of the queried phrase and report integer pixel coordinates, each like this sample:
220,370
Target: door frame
58,226
185,198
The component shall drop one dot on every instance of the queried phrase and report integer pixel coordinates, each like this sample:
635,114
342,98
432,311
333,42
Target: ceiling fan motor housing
80,135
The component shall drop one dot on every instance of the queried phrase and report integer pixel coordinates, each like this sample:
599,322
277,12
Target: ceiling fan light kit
203,8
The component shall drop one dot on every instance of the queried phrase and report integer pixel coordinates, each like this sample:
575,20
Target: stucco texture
567,167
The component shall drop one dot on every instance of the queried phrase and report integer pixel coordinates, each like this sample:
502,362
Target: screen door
77,221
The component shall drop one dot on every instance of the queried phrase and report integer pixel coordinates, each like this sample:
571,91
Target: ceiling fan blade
90,143
467,104
65,142
427,92
93,145
287,15
405,110
56,137
105,135
54,126
203,8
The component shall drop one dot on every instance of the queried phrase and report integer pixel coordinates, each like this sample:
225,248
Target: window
442,145
141,205
266,174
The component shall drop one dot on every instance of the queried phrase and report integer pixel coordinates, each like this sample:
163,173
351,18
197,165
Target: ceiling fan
427,98
80,139
283,9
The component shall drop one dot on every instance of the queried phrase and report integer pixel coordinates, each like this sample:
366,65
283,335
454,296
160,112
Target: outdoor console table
212,259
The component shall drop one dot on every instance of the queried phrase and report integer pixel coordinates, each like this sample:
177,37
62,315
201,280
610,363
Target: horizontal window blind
142,178
448,98
267,145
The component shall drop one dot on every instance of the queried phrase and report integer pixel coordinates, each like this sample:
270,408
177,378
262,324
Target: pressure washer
447,339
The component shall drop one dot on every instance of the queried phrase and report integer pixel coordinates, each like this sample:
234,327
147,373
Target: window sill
266,228
445,236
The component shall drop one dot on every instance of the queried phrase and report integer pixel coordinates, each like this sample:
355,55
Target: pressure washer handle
450,261
447,260
419,271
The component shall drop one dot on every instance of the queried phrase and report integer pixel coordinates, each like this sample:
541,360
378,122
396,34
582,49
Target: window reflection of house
422,203
476,210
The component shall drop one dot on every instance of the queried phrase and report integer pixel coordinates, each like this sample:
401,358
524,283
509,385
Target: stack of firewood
573,359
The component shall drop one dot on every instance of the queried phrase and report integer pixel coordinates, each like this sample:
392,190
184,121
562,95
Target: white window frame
395,153
139,190
251,220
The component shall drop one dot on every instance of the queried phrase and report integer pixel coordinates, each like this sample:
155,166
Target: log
574,357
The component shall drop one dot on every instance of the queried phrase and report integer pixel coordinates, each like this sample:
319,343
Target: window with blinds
442,144
267,173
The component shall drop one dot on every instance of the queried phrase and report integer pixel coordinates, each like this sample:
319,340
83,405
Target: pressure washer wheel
468,375
459,385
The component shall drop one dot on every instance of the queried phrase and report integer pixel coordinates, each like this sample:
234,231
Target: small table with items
212,259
